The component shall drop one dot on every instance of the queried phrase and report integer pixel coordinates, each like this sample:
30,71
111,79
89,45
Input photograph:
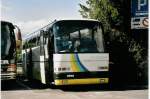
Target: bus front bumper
81,81
8,76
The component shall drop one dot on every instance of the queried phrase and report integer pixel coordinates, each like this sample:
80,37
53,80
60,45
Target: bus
8,51
67,52
10,36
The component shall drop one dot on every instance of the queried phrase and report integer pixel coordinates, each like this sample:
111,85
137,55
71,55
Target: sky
31,15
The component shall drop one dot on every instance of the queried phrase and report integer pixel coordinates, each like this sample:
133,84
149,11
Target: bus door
50,56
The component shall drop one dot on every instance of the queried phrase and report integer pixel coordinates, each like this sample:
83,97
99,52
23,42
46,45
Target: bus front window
78,36
5,40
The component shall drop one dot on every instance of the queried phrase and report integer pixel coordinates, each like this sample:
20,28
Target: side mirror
42,37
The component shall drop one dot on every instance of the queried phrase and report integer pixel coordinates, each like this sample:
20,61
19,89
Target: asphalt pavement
35,90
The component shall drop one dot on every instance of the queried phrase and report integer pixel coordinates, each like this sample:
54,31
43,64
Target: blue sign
139,8
139,14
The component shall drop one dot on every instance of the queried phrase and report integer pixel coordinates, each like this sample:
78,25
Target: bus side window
33,42
52,44
37,41
29,43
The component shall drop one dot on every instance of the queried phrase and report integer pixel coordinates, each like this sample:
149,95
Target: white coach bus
67,52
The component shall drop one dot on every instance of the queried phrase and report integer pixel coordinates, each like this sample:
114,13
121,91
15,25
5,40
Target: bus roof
9,23
2,21
75,20
53,22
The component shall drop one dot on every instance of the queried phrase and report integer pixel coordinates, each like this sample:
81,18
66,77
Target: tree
104,11
115,17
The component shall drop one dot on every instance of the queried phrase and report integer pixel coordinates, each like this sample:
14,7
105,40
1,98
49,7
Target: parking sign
139,14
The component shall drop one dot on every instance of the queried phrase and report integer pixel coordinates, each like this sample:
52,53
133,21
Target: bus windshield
78,36
5,40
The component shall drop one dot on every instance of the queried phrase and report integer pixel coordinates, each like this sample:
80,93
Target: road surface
34,90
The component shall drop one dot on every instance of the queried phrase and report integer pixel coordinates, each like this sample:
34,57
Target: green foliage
112,16
115,17
137,51
101,10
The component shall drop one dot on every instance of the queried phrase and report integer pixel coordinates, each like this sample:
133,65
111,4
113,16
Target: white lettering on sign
139,22
141,3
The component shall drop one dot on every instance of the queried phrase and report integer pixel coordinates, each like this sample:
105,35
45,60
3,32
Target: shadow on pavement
82,88
36,85
10,85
